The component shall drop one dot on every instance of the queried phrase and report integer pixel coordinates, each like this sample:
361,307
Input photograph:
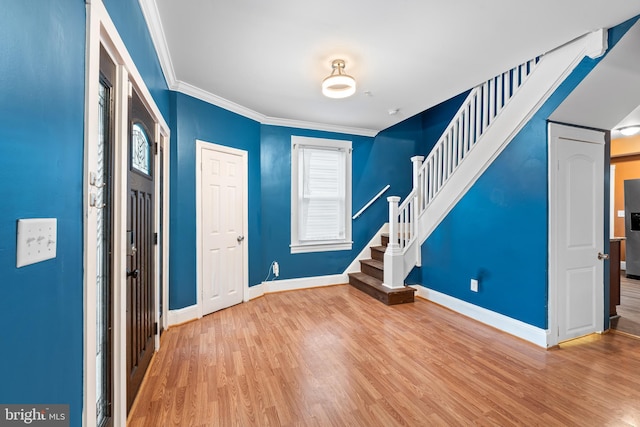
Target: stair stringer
554,67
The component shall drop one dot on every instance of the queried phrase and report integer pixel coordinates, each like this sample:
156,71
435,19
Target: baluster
460,139
499,103
492,98
485,106
447,166
432,178
479,102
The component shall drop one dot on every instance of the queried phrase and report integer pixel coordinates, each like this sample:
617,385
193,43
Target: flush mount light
629,130
338,84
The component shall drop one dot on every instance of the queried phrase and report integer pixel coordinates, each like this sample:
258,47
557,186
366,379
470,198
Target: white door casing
576,232
102,31
222,225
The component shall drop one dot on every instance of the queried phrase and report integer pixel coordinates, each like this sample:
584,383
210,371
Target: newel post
393,270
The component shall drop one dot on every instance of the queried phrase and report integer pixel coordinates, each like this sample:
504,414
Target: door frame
244,155
102,31
555,130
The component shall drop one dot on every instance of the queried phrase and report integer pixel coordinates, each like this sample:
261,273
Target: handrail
376,197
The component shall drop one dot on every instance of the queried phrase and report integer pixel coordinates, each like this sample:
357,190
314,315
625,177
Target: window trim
320,246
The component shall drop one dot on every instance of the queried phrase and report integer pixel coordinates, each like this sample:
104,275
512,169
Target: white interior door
223,177
577,228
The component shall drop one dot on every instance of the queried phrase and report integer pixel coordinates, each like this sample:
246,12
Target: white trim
304,248
342,145
244,156
301,283
612,199
354,267
182,315
154,23
274,121
499,321
102,31
255,291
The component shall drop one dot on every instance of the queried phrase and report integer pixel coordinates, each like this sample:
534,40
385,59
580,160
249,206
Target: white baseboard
182,315
499,321
623,265
294,284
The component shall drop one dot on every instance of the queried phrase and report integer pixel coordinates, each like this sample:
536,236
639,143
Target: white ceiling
266,59
609,96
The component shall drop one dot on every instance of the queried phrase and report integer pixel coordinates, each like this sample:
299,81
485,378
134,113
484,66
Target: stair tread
378,248
377,284
373,263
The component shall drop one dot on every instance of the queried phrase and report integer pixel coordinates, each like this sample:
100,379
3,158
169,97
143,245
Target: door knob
133,273
603,256
240,239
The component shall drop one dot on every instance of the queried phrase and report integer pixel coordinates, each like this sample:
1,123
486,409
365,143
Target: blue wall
498,232
376,162
41,160
42,73
195,119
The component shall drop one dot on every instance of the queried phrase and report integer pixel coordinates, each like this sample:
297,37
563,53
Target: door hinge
155,238
155,147
155,328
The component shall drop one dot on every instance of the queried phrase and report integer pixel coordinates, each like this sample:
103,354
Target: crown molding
274,121
203,95
152,16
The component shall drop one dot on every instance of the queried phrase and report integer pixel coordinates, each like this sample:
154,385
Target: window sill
320,247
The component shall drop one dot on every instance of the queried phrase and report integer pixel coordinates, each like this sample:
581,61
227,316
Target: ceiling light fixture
338,84
629,130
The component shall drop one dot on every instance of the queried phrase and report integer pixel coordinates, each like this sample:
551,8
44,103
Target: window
320,195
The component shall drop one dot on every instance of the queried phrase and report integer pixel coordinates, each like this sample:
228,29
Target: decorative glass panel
101,260
140,149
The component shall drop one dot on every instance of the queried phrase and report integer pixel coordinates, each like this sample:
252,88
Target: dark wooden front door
140,246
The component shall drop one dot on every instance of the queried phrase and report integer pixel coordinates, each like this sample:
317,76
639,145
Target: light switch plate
620,214
36,240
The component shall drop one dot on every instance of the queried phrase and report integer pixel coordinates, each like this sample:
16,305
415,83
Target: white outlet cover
36,240
474,285
620,214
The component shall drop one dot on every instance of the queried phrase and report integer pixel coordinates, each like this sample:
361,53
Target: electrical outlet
474,285
276,269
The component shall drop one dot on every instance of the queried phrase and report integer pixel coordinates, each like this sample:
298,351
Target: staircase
493,113
369,280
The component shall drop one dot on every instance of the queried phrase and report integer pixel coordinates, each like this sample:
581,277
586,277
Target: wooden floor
629,308
336,357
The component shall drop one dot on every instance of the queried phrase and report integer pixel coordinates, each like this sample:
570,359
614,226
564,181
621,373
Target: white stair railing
479,110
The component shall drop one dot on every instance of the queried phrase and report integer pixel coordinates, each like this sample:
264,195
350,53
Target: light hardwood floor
336,357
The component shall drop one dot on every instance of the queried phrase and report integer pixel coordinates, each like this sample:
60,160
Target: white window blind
321,195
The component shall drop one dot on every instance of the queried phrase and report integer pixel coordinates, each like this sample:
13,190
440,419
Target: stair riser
388,299
372,271
377,255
